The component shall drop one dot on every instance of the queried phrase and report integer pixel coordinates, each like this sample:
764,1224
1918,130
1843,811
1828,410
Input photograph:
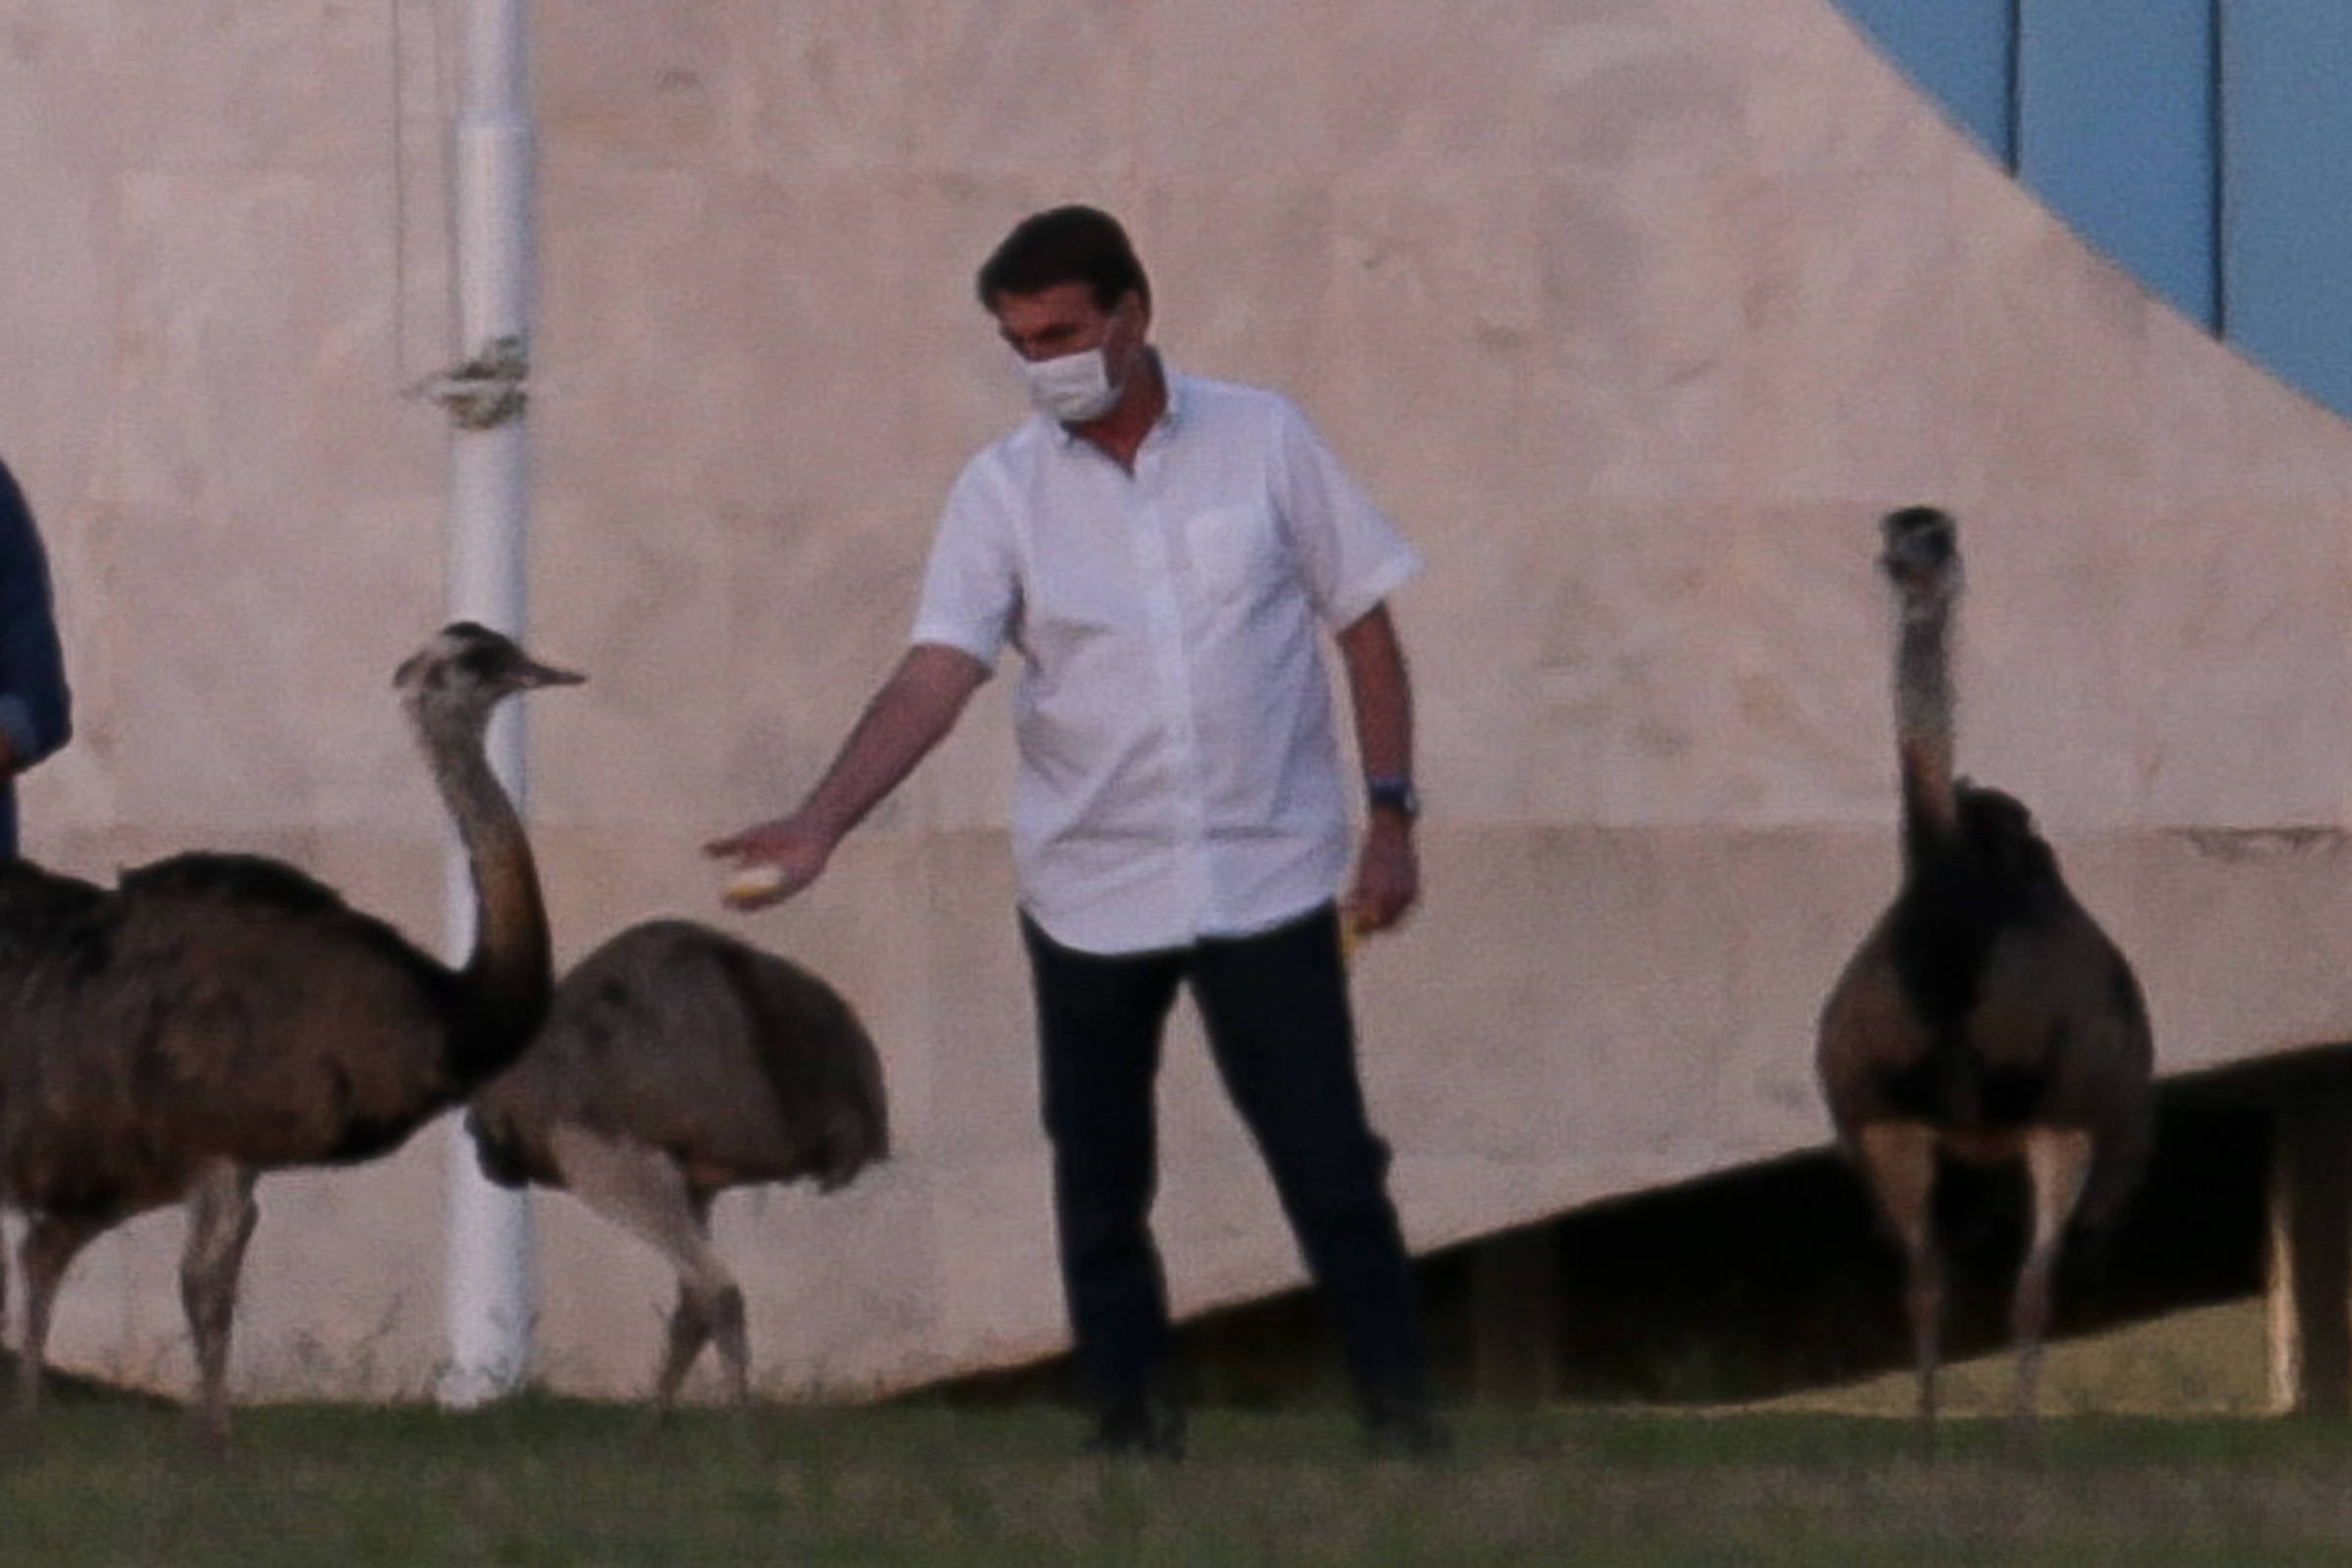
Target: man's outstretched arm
911,713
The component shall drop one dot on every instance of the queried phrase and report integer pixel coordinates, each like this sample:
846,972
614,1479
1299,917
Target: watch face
1394,796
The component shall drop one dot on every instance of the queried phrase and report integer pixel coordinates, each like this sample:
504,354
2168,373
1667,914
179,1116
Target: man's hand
1387,876
773,860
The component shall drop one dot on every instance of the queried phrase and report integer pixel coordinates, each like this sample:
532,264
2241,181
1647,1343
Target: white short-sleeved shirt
1179,772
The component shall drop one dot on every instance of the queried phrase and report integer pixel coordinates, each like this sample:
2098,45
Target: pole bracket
486,391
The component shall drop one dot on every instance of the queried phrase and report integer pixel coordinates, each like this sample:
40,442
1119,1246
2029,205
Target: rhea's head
455,681
1922,554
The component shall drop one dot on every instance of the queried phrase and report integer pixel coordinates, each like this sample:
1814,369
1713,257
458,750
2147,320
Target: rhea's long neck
506,976
1922,722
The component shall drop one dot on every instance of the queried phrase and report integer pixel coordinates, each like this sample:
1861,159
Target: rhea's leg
643,1191
689,1332
51,1244
1898,1162
723,1311
2057,1161
220,1218
701,1315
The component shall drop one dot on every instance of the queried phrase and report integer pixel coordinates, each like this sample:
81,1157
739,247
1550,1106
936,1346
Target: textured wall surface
1635,313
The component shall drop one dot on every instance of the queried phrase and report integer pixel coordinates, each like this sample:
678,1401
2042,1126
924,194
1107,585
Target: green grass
2207,1362
2155,1453
543,1482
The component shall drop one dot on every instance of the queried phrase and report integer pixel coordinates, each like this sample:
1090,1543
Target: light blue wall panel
2287,212
1960,51
2115,130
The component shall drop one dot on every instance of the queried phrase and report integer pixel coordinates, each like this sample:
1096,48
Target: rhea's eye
484,664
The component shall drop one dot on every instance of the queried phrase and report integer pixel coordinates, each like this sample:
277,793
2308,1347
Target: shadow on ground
73,1388
1773,1278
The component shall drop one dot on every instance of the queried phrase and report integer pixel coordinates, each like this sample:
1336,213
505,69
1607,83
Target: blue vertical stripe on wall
2115,119
2204,144
2286,210
1960,51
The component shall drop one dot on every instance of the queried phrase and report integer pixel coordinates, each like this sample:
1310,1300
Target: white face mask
1073,388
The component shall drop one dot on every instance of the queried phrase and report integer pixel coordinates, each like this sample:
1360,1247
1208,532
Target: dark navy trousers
1274,1006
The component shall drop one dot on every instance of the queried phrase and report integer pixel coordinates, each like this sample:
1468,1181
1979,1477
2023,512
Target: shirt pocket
1232,550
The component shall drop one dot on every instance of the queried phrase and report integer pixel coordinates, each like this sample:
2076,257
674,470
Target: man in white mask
1167,555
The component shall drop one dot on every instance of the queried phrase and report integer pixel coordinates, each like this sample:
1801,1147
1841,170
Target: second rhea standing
679,1061
1986,1018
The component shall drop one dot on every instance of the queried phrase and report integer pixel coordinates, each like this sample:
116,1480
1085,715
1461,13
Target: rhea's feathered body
1987,1017
677,1061
1988,1000
214,1017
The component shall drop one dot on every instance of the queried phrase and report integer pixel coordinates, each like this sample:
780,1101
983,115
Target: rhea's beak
534,673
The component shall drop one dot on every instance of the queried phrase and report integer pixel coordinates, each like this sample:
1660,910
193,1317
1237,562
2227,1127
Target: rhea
1986,1018
675,1062
215,1017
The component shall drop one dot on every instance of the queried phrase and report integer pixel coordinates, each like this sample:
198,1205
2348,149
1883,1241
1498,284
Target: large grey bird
1986,1018
214,1017
677,1061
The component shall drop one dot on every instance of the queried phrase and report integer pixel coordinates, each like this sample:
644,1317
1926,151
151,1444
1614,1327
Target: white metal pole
488,1303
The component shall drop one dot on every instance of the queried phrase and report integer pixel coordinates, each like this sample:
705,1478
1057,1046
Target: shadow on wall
1772,1279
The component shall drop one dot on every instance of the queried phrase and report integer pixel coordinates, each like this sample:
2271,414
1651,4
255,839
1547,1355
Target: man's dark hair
1066,245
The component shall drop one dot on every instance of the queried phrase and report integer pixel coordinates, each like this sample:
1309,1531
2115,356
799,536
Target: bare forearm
1388,873
911,713
1381,692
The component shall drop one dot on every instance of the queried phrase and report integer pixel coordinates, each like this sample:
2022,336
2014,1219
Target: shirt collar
1171,418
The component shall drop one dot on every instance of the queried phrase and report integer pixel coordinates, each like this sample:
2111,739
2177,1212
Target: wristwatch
1393,795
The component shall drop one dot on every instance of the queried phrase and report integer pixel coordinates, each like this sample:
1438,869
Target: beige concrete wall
1633,313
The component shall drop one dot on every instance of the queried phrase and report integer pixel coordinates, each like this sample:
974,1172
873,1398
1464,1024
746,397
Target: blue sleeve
36,711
